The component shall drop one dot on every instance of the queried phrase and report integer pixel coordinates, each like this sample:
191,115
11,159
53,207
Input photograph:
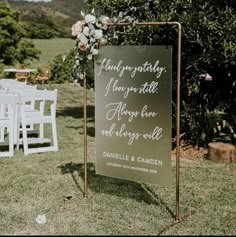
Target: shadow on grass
77,112
90,130
113,186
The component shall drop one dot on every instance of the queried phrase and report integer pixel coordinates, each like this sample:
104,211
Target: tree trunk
219,151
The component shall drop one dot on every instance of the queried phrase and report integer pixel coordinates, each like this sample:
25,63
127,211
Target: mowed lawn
52,184
51,48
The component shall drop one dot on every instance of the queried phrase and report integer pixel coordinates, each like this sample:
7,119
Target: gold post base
85,196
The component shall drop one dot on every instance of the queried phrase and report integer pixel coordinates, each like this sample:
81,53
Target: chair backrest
7,82
41,96
50,95
10,102
44,74
3,91
7,99
20,87
22,74
45,71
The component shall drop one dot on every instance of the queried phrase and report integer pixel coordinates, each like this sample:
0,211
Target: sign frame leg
85,194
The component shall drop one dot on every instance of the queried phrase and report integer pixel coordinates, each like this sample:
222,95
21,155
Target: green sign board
133,113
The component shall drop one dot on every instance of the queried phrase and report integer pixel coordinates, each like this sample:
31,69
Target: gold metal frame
177,217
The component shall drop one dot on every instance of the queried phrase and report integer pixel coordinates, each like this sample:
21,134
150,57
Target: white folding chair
18,89
7,121
40,117
7,82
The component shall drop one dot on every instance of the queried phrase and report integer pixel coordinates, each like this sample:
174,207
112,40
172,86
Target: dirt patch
190,152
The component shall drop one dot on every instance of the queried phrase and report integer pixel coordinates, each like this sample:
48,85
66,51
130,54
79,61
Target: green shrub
61,68
201,126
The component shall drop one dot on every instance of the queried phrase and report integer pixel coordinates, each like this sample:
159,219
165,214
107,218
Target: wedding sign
133,113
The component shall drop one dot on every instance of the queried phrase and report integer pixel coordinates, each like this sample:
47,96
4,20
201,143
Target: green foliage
55,17
26,50
40,25
208,29
41,31
89,69
13,48
61,68
201,126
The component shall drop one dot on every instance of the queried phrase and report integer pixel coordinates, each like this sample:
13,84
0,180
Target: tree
208,46
13,46
208,39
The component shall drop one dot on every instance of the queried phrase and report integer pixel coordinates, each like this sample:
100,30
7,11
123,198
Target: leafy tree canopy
208,39
13,47
208,46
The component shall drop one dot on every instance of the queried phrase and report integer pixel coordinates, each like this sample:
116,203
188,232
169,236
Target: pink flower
82,46
77,28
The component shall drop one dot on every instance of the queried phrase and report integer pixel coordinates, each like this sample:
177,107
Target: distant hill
55,17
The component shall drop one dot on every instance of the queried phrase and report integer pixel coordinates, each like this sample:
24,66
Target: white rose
92,40
90,57
98,34
105,20
86,31
104,27
83,39
94,52
77,28
92,32
81,76
90,19
91,27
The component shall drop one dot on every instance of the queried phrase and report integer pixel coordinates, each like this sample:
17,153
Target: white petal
95,52
83,38
90,57
41,219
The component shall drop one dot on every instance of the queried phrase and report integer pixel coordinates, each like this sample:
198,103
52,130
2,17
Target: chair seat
44,74
38,119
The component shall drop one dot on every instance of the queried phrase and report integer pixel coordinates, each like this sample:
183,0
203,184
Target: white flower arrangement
89,35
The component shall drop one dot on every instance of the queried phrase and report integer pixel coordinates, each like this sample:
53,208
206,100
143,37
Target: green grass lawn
52,184
50,48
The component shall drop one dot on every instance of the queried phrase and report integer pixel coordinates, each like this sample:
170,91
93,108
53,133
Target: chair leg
25,138
54,135
2,129
1,134
41,130
11,140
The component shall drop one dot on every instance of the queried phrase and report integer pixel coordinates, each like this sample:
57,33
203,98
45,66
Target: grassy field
52,184
50,48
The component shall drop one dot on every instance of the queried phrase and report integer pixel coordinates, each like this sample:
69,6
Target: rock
219,151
